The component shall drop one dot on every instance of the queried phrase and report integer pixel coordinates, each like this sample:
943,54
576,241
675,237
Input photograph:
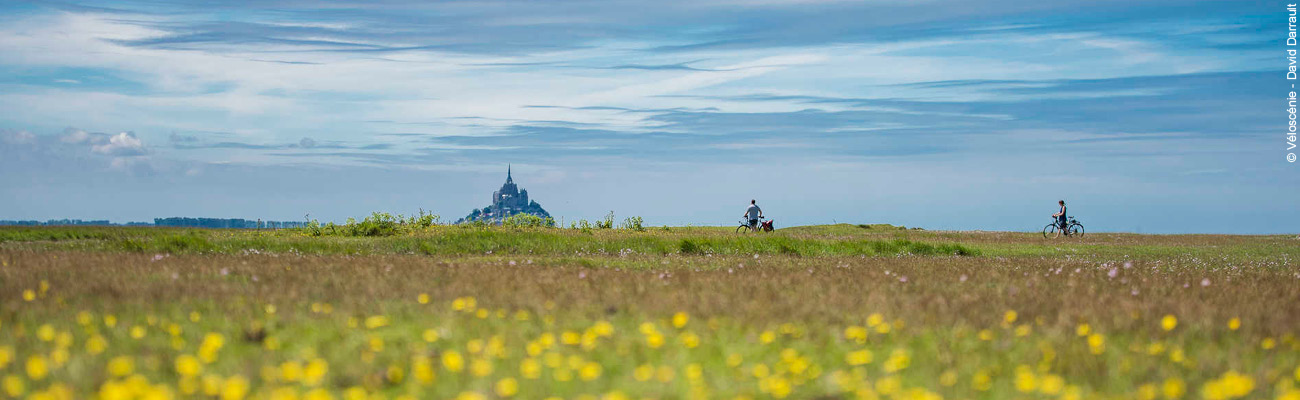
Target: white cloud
17,137
75,136
123,144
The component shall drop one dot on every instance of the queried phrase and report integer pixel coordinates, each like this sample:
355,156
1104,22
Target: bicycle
1069,228
764,226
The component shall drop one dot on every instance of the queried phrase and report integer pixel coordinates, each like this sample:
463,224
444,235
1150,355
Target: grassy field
840,311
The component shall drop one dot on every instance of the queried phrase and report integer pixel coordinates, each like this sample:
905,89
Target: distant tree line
238,223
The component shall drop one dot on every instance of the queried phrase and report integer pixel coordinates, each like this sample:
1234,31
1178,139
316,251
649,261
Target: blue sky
1148,116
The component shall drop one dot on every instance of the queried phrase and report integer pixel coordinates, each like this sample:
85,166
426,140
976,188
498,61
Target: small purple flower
1205,282
903,279
582,275
963,277
1113,273
512,263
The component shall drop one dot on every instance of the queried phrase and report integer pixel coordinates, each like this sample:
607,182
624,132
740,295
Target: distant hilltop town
508,201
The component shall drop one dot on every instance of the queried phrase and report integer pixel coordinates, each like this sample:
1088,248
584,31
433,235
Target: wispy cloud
972,90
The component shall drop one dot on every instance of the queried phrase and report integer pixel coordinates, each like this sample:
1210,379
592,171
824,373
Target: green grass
481,240
831,312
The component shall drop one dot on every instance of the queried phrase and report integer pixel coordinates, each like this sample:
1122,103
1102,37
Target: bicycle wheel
1076,229
742,229
1050,231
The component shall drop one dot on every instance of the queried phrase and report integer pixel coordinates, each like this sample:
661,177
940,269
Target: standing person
753,214
1060,216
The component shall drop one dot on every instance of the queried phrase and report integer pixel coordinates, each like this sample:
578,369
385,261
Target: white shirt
753,211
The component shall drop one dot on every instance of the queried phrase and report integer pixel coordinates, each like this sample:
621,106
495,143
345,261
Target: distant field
838,311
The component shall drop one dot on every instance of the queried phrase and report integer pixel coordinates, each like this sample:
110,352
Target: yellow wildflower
1026,381
234,388
37,367
422,369
453,361
1173,388
507,387
318,394
376,321
121,366
188,365
1051,384
859,357
480,367
680,319
589,371
1168,323
13,386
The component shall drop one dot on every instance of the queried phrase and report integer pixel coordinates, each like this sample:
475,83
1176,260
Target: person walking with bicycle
1060,216
753,214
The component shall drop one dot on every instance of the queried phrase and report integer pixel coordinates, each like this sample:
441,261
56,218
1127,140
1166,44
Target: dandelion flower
1168,323
680,319
234,388
453,361
859,357
37,367
13,386
643,373
1025,380
1173,388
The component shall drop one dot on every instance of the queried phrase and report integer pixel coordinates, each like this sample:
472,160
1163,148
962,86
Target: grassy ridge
474,240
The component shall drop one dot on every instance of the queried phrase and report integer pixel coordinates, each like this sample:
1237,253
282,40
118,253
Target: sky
1145,116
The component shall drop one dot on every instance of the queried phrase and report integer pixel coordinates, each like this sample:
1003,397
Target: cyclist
753,214
1060,216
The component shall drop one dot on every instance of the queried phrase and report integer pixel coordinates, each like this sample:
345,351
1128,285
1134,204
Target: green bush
633,223
528,221
607,222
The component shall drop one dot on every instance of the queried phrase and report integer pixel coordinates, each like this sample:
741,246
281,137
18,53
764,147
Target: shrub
377,224
607,222
313,228
528,221
633,223
426,219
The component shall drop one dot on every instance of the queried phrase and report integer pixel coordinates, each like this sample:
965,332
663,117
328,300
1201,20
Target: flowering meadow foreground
832,312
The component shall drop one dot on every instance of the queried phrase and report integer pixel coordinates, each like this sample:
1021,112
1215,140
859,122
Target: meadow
484,312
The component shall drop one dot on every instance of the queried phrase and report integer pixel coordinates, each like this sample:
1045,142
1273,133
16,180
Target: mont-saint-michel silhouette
507,201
